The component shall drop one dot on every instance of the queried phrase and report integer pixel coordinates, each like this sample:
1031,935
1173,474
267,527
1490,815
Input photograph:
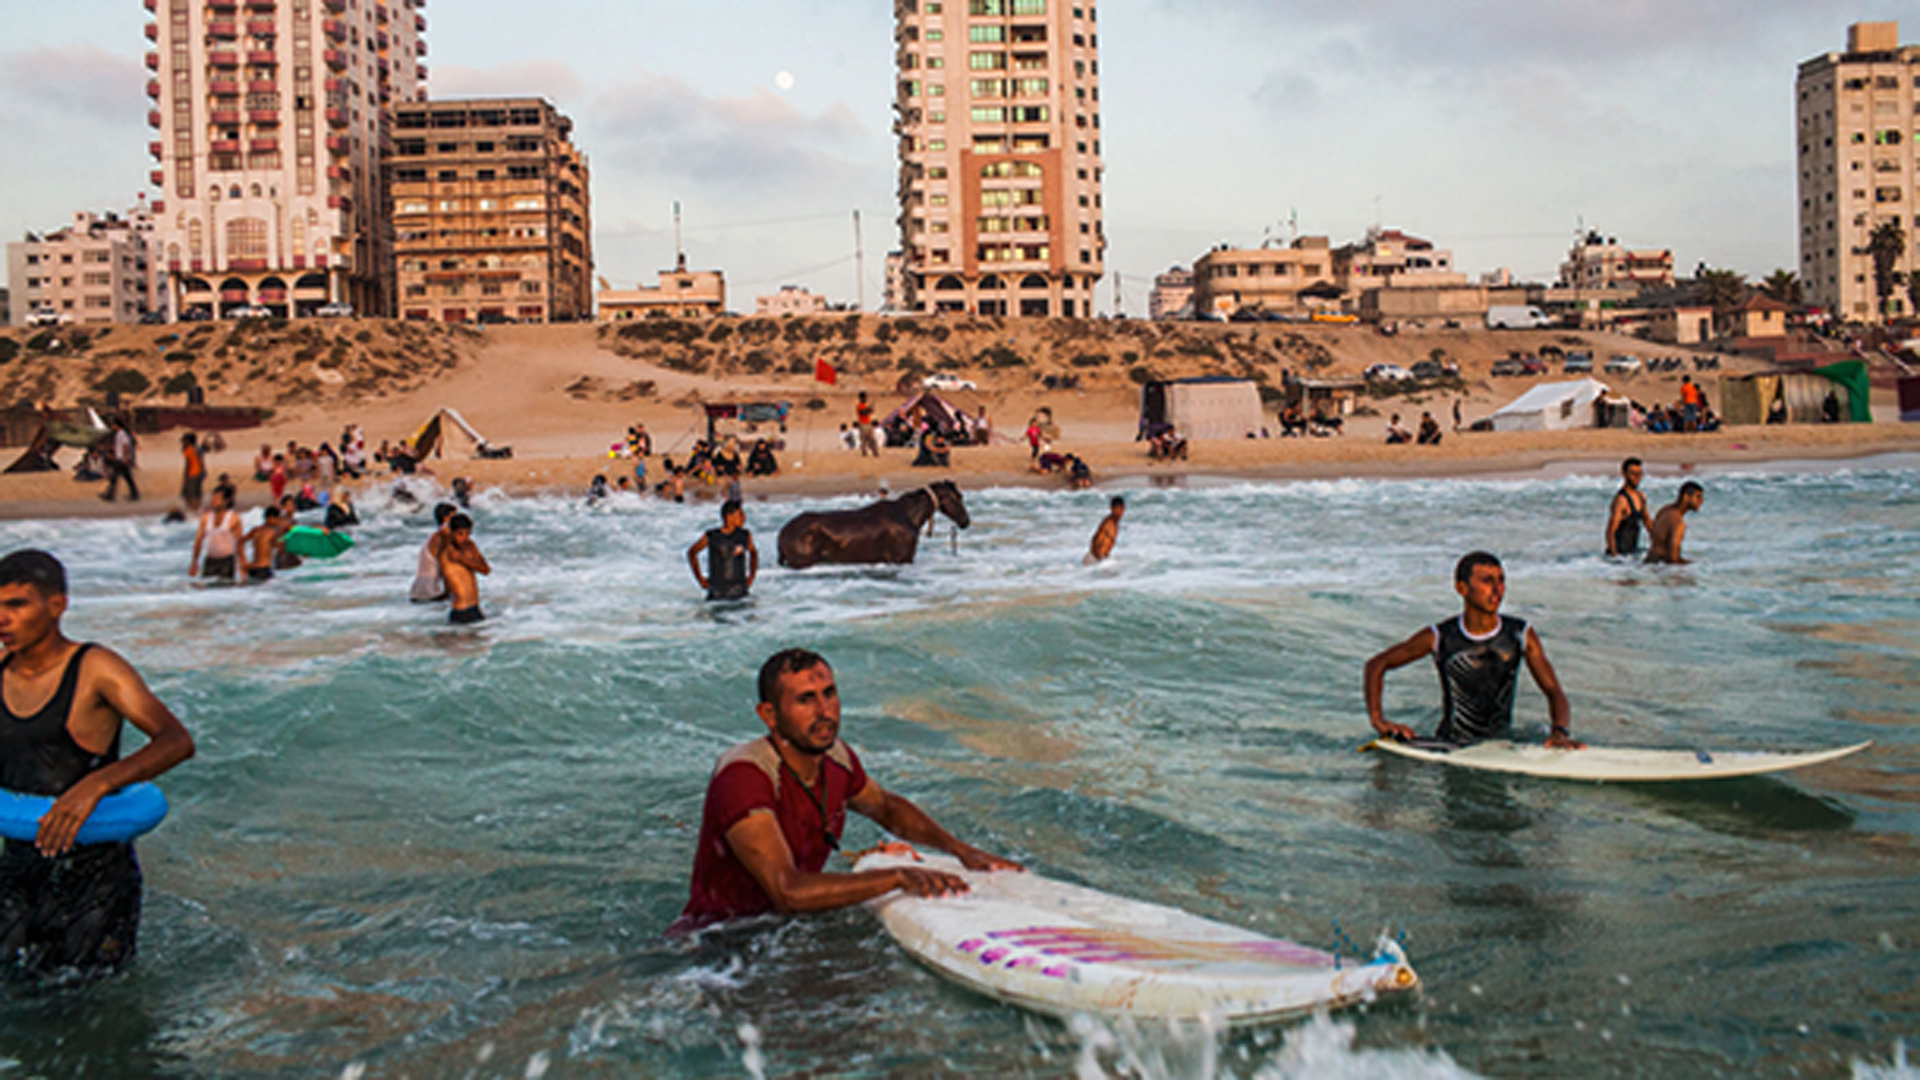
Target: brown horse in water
886,532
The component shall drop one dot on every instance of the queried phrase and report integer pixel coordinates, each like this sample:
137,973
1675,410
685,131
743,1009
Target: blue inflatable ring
123,815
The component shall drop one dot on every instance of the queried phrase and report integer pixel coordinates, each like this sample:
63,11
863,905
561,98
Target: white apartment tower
998,120
272,121
1857,131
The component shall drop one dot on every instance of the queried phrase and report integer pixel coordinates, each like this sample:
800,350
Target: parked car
1577,363
46,316
254,311
1532,365
1387,373
334,311
1510,365
941,380
1624,365
1517,317
1434,369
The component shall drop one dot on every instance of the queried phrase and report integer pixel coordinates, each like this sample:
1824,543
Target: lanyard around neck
819,801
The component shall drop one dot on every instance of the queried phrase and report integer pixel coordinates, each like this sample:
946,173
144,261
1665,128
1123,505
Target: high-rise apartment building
998,120
95,270
273,122
1856,136
491,213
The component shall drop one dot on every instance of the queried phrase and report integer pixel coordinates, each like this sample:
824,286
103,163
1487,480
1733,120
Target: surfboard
309,542
1609,764
123,815
1063,949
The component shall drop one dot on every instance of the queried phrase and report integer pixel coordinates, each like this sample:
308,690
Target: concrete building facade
94,270
1597,262
1226,280
680,294
1855,140
997,116
272,118
492,213
1172,293
1391,259
790,300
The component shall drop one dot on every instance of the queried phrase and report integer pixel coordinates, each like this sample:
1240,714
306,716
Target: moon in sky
784,80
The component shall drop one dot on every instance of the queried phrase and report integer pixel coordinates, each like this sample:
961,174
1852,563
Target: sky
1492,127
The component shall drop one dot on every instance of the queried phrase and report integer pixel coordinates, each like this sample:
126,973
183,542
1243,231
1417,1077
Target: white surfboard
1061,949
1609,764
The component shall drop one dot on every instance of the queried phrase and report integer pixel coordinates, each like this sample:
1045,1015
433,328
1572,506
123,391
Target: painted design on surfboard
1087,945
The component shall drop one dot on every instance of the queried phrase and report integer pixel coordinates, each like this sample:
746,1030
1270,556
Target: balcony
262,27
333,84
268,145
336,118
224,30
383,65
337,7
339,172
153,61
340,202
382,40
224,88
264,7
153,89
264,117
335,59
225,118
224,146
151,5
224,59
263,58
420,23
420,47
158,206
153,118
153,31
159,177
262,86
334,29
338,144
155,149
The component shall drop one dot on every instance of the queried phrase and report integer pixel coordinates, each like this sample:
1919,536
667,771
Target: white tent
1552,407
1205,408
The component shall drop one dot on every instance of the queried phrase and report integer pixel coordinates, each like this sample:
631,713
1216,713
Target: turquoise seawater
411,850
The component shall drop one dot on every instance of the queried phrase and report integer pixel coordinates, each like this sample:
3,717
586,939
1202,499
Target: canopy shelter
948,420
1214,407
434,436
51,430
1555,406
750,413
1802,395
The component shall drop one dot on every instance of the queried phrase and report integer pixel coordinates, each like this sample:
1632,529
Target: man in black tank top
65,907
1478,656
1628,514
732,559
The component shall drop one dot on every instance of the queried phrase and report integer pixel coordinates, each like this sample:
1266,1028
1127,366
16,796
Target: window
528,202
987,61
485,174
447,205
1029,7
1030,87
986,33
989,116
936,35
989,88
489,204
413,206
449,174
987,7
409,176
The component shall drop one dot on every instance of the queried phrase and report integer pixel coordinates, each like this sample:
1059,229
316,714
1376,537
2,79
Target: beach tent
1552,407
1748,399
951,421
433,437
1215,407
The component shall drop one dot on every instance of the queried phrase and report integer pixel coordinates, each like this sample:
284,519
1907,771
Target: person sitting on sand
460,564
1108,532
260,545
1292,423
1325,423
1478,656
219,537
1079,476
761,461
1396,434
1429,430
934,452
732,559
776,807
1670,525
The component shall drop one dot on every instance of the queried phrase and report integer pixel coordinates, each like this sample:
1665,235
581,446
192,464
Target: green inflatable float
311,543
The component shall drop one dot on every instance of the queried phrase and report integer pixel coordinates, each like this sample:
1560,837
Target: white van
1517,318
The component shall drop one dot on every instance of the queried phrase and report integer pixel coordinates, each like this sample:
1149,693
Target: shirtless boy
460,562
259,546
1108,532
66,907
1670,525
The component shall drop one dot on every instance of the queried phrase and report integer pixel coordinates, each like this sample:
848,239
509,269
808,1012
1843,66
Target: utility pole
1119,304
679,252
859,266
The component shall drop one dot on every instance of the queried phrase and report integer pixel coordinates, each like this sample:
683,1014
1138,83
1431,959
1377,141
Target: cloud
78,79
551,79
658,126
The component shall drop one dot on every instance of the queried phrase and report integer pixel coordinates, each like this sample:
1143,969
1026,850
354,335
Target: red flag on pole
823,372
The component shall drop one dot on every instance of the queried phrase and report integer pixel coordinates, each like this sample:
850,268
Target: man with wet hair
776,807
1478,656
429,587
733,562
65,907
1628,514
461,564
1670,526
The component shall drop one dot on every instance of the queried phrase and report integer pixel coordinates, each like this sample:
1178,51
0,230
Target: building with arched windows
997,113
271,121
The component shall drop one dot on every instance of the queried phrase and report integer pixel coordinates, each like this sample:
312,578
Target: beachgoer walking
460,564
863,421
1628,513
732,559
776,807
1478,656
1108,532
1670,525
120,461
65,907
219,537
193,471
1456,414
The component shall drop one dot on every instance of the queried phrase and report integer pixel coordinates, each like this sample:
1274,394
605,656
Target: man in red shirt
776,807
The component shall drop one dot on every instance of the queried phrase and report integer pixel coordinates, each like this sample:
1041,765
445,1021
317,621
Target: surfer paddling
1108,532
1478,656
1670,525
62,906
776,807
